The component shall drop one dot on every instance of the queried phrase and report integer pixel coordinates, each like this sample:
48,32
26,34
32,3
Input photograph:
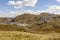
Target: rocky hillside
26,18
44,22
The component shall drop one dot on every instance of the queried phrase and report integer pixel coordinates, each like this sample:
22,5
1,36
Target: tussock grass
15,35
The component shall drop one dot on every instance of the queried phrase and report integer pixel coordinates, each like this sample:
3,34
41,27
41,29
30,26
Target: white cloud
19,4
52,9
58,0
30,2
11,2
7,15
12,12
55,9
17,7
28,11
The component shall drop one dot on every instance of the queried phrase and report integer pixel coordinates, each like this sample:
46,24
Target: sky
12,8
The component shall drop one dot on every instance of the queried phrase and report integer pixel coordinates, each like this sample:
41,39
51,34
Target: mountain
45,22
35,18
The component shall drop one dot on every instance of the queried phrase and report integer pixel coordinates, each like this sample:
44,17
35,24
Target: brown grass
15,35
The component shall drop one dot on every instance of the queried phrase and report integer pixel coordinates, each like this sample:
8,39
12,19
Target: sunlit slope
15,35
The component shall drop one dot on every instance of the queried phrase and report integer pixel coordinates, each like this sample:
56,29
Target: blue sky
40,5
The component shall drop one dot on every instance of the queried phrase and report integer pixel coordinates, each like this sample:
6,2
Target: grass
15,35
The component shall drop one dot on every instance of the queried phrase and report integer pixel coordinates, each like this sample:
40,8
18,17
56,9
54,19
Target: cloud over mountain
52,9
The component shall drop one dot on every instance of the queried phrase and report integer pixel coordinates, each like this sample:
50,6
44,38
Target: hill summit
45,22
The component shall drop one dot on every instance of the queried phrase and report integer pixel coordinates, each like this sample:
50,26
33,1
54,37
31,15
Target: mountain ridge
44,22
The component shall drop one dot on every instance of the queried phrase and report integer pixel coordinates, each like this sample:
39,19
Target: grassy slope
15,35
11,28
